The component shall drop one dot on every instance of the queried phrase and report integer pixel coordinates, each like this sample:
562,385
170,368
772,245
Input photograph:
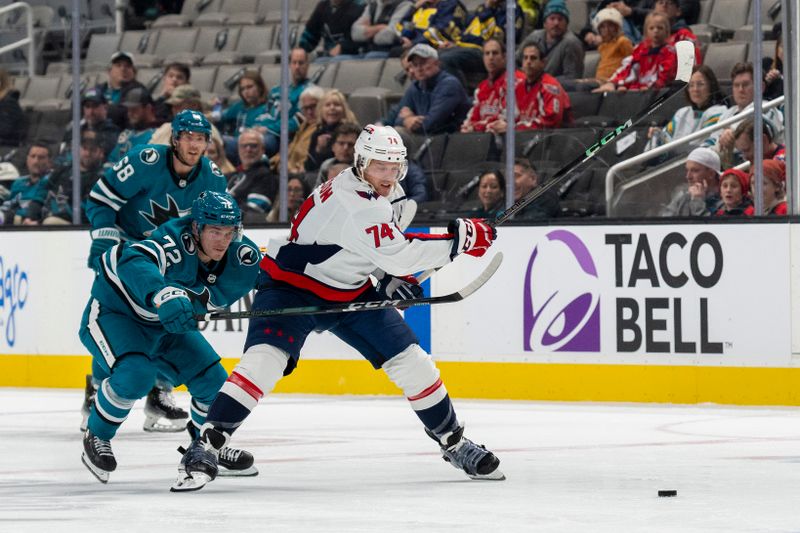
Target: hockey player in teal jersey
152,184
144,189
140,319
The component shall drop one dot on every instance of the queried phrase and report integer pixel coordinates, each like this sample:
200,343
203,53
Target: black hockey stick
685,52
350,307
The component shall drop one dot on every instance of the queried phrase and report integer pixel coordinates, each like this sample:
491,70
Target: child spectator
679,29
614,46
734,189
773,189
653,63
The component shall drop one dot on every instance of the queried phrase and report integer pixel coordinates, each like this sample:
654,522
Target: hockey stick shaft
350,307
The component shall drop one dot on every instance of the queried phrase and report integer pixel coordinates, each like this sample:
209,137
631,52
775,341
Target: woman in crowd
307,118
491,194
331,111
297,190
705,107
734,189
216,153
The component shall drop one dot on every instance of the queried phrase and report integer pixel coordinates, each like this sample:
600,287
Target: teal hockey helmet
188,120
217,209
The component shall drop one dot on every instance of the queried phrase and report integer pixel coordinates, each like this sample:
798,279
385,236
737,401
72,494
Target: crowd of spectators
455,61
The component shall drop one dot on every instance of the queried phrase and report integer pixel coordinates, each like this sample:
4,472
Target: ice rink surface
363,464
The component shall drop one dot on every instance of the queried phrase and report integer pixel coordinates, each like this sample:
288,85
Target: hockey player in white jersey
346,230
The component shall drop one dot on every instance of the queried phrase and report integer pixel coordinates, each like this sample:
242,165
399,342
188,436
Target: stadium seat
357,73
324,74
721,57
725,17
203,78
369,104
584,104
101,46
227,75
392,69
590,61
40,88
465,150
176,44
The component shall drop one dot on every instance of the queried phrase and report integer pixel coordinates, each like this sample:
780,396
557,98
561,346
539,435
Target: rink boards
673,313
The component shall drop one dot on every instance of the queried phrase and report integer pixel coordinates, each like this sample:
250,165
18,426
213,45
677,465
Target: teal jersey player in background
140,319
147,187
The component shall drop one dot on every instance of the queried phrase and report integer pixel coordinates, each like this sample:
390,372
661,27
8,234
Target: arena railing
26,41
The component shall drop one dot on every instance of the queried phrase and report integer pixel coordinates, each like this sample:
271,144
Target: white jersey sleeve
342,233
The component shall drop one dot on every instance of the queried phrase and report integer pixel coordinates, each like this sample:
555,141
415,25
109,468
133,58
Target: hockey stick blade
351,307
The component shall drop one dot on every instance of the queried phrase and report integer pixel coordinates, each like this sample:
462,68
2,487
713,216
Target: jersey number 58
123,168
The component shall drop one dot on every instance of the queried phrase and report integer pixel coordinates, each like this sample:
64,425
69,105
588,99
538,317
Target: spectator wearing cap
612,44
700,197
374,31
28,193
121,80
182,97
744,141
435,102
563,51
12,119
488,21
142,121
174,75
94,118
734,189
773,189
253,185
489,101
269,123
331,22
58,205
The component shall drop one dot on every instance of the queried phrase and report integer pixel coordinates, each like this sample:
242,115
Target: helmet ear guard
380,143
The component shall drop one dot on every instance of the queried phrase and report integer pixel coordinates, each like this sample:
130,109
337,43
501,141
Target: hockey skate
232,462
474,459
88,399
98,456
161,414
199,465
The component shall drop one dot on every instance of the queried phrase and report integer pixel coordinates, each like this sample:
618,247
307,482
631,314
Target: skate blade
497,475
187,482
160,424
101,475
247,472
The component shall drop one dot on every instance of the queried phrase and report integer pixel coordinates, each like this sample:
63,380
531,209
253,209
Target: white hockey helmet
381,143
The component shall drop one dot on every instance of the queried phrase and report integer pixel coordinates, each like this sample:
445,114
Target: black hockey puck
667,493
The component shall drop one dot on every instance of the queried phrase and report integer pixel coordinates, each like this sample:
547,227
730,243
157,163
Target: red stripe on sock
246,385
427,392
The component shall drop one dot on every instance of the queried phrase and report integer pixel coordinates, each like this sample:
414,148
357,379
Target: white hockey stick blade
188,483
481,280
409,211
685,51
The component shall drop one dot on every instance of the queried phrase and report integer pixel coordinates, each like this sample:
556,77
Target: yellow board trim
511,381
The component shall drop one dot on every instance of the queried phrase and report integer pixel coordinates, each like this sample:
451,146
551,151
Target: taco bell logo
561,310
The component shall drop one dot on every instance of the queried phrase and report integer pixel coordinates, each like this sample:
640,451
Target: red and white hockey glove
471,236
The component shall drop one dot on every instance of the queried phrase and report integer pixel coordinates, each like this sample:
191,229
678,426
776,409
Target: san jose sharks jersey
342,233
132,272
142,191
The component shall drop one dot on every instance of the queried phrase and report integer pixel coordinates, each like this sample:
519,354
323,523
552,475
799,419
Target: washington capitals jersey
142,191
342,233
132,272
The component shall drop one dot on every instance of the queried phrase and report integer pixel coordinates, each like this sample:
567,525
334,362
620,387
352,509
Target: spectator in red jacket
541,100
773,189
653,63
489,102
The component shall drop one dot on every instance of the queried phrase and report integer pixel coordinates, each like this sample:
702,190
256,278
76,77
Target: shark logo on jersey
149,156
202,297
188,243
159,214
215,169
247,255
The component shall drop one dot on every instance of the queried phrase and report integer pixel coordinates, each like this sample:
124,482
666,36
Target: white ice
354,464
